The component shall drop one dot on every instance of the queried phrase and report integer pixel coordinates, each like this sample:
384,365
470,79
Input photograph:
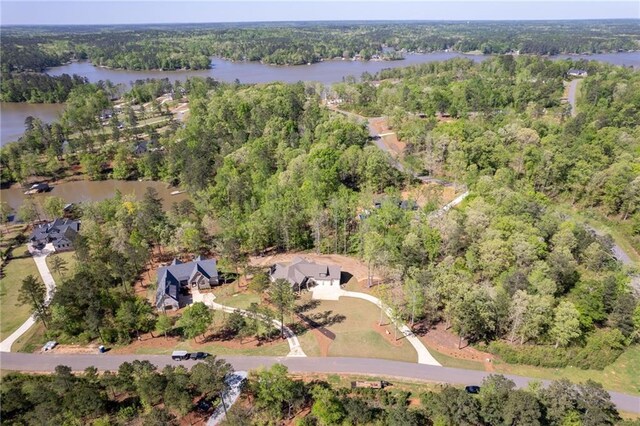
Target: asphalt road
363,366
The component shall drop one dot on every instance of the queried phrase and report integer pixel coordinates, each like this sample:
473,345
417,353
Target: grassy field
70,259
353,322
12,316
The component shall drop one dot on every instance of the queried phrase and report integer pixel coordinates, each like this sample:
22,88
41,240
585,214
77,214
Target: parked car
49,345
472,389
198,355
180,355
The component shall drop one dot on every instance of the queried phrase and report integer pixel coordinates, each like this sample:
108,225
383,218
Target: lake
326,72
84,190
13,114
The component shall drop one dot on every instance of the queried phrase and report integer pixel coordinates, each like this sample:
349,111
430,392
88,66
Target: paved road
364,366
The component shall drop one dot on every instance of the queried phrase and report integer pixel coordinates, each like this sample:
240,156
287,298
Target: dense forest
269,167
138,393
190,46
38,87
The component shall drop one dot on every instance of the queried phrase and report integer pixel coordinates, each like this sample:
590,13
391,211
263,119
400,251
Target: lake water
12,116
84,190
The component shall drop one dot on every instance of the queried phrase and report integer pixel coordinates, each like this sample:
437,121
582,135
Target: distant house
140,148
303,273
200,273
60,233
573,72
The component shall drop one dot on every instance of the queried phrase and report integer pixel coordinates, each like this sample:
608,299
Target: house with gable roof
60,233
199,273
302,273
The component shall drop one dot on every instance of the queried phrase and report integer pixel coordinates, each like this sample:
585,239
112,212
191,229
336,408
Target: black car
472,389
198,355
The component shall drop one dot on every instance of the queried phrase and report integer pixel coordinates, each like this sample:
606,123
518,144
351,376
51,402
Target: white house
302,273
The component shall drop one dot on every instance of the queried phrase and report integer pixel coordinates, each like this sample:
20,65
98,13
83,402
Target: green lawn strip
71,261
12,316
32,340
353,325
278,349
238,300
621,376
309,344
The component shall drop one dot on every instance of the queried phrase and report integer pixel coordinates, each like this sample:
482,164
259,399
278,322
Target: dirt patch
446,342
388,136
387,334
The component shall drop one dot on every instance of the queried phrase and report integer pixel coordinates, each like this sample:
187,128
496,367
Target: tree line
191,45
139,393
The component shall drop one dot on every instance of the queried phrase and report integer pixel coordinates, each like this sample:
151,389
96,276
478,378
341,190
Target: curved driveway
362,366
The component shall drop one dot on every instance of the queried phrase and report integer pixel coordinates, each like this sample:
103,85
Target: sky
82,12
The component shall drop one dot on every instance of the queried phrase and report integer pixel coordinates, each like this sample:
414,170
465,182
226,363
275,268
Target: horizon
324,21
99,12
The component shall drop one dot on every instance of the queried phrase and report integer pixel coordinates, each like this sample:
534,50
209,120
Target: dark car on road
472,389
198,355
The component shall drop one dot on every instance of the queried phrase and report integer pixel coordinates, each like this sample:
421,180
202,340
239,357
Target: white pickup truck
179,355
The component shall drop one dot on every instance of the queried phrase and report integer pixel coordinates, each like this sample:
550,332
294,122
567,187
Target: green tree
566,324
283,298
208,376
53,206
522,409
493,397
135,315
326,407
195,320
164,324
34,293
275,392
58,265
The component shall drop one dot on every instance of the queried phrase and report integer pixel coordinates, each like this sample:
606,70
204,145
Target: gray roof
169,277
300,269
53,231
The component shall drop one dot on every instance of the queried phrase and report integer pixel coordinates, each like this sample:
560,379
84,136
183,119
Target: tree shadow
307,306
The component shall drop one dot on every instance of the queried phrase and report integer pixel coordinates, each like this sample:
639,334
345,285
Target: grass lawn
32,340
238,300
621,376
279,349
16,270
354,322
70,259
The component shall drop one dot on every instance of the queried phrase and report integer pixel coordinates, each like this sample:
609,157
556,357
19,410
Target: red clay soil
391,140
323,342
446,342
387,334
